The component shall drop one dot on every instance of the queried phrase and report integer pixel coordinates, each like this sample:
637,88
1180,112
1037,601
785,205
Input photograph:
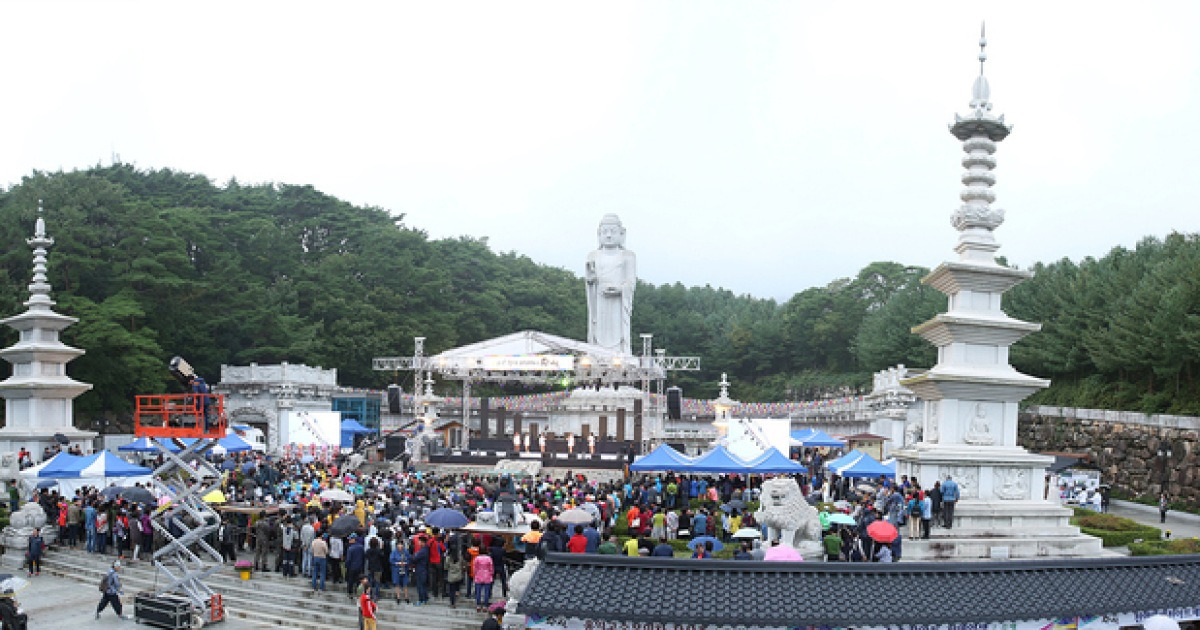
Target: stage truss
572,362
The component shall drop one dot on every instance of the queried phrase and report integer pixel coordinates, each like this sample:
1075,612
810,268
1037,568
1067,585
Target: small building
260,395
363,407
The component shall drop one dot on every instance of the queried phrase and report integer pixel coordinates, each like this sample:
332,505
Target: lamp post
1164,458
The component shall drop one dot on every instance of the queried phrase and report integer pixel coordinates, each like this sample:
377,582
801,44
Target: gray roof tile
680,590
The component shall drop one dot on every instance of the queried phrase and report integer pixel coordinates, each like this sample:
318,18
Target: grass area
1114,531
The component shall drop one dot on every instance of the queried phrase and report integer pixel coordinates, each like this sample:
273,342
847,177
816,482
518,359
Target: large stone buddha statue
611,278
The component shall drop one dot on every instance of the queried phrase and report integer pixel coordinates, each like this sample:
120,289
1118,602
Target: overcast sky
763,147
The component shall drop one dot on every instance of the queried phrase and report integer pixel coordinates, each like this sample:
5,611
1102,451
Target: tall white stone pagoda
969,428
39,396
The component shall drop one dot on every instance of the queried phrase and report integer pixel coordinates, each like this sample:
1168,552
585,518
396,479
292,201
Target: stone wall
1123,445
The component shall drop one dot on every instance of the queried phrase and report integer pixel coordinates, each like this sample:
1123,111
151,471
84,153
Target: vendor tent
350,428
719,460
816,438
61,460
231,443
772,461
859,464
800,434
842,460
140,445
662,458
105,464
73,472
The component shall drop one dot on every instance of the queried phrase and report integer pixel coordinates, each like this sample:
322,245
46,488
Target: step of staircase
272,600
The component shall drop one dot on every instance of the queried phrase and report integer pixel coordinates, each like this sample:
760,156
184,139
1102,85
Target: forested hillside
159,263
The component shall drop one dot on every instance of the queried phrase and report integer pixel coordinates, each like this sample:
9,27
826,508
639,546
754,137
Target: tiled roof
729,592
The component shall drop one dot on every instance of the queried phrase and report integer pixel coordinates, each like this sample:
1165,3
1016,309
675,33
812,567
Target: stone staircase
268,599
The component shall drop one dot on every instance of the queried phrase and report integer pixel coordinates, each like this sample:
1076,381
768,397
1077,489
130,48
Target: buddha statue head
611,233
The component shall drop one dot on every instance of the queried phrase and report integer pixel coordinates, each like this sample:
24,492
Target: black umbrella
344,526
138,495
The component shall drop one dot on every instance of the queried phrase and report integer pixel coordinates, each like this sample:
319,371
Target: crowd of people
378,545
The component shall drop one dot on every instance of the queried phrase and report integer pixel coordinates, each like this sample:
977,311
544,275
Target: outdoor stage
609,455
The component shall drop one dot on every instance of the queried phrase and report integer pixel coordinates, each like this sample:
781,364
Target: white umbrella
335,494
575,516
10,583
747,533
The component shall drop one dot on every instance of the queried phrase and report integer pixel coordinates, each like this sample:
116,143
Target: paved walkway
54,602
1180,524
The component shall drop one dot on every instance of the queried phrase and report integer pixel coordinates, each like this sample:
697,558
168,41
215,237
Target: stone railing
1123,417
282,373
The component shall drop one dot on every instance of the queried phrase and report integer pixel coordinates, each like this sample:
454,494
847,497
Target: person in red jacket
578,542
368,608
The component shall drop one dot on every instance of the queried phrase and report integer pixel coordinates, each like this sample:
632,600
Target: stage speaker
393,398
674,403
393,446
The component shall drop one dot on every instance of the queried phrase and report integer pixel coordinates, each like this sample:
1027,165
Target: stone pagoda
969,423
39,396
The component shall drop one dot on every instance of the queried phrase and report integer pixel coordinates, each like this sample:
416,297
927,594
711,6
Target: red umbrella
882,531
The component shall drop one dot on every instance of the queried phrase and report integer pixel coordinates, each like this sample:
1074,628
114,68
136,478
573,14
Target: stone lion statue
21,526
788,517
518,582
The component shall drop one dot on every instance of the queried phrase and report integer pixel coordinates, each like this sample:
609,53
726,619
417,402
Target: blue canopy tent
105,464
772,461
663,457
231,443
800,434
350,428
719,460
61,460
74,472
848,458
140,445
862,465
817,438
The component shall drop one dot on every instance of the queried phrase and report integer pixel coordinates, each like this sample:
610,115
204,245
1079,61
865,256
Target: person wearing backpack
110,587
453,564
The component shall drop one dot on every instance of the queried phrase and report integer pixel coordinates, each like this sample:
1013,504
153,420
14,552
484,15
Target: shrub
1096,520
1111,538
621,529
1165,547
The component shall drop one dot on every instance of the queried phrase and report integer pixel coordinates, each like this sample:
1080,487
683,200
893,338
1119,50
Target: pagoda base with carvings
1001,512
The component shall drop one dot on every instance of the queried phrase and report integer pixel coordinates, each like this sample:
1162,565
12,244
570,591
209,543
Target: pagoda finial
982,46
39,226
981,92
39,289
979,131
